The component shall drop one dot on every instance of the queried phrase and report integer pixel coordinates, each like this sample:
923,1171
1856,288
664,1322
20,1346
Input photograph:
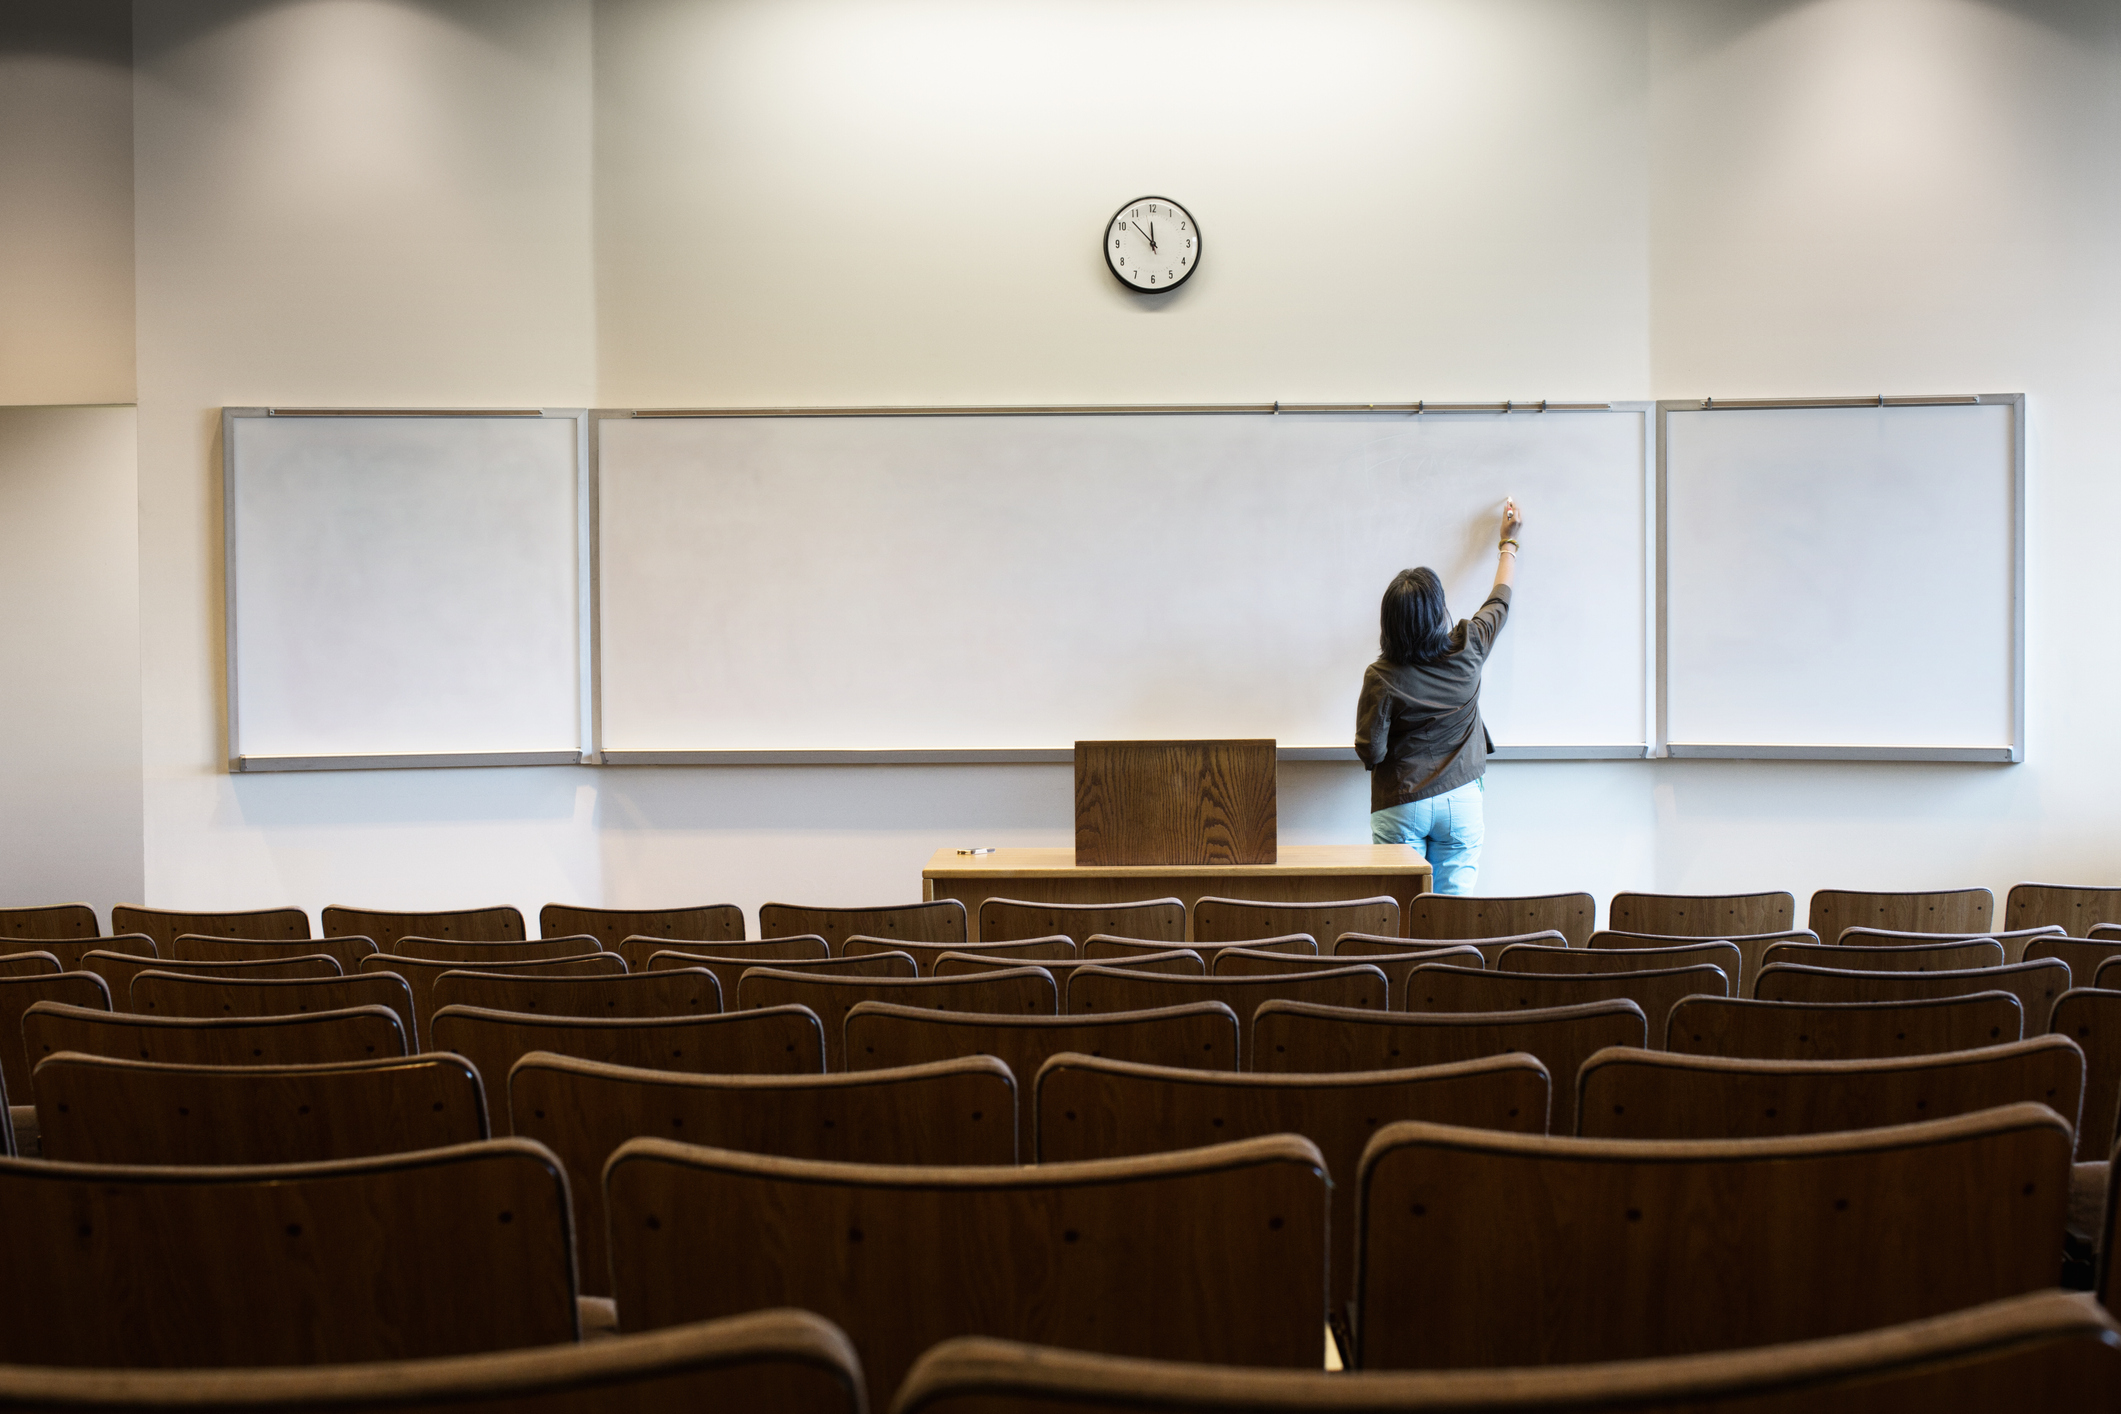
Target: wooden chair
1397,958
117,969
40,964
308,1038
2091,1019
2073,909
1183,961
1814,1236
1252,962
2103,930
1435,987
941,921
787,1361
1200,1035
1108,949
471,925
1897,957
1089,1107
1822,1031
102,1110
1701,915
479,954
62,920
1103,990
768,1041
401,1256
691,991
947,1112
1156,920
1535,957
168,994
166,925
1298,1037
73,952
704,923
2050,1350
2036,985
1638,1094
1012,991
2012,941
1751,946
421,975
1210,1254
1463,918
1374,948
2108,976
1943,911
761,952
198,947
2082,956
1230,920
730,971
1021,952
81,990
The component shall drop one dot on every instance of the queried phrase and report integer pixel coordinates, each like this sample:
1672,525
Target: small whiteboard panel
404,587
1843,582
801,584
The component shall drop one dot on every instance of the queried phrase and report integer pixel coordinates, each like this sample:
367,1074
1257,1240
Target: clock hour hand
1151,239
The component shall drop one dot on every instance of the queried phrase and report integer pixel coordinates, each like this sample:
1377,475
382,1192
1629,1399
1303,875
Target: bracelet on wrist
1511,542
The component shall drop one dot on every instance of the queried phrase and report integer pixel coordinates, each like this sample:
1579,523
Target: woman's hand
1512,519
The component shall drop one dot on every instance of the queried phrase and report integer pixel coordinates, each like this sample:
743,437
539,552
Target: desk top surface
1058,862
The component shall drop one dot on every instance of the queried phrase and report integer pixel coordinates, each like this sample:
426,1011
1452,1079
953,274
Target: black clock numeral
1115,242
1170,274
1189,243
1182,260
1123,260
1152,279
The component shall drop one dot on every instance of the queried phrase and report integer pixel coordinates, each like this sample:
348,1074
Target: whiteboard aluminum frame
2012,754
585,617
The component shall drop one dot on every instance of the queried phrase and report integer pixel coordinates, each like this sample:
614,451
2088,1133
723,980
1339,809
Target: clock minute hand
1145,235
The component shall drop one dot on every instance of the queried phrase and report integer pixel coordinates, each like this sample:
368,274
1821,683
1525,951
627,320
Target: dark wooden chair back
691,991
76,990
703,923
501,924
1102,948
2082,956
59,920
307,1038
118,969
770,1041
1232,920
463,953
1895,957
762,952
1103,990
939,921
1253,962
199,947
1819,1031
1155,920
1464,917
1943,911
1022,952
73,952
156,993
1011,991
2036,985
40,964
166,925
1395,957
2074,909
2091,1020
1702,915
421,975
1751,947
1536,957
1373,947
730,971
1435,987
2013,941
1183,961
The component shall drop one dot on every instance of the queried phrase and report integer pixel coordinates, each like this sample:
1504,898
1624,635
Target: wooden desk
1317,873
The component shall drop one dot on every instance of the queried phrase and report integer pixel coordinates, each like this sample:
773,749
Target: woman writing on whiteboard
1417,723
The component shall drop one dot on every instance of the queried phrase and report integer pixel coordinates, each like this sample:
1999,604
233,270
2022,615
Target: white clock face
1153,244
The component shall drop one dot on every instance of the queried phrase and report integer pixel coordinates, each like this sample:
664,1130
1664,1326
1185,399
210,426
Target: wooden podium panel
1174,802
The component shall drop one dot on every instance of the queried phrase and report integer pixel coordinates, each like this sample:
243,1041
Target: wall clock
1153,244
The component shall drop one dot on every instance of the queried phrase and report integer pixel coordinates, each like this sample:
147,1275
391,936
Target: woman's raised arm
1506,552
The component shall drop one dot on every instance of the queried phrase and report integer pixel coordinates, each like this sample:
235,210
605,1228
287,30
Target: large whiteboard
989,586
405,590
1844,582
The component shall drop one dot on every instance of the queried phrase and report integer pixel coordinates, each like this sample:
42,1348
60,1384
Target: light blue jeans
1446,828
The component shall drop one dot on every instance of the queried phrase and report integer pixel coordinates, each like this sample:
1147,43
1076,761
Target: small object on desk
988,849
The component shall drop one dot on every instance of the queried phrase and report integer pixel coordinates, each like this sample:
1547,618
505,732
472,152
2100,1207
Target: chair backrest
178,994
1397,957
2103,930
2049,1350
692,991
2013,941
2083,956
1100,990
947,1112
473,925
1102,947
118,969
1757,1030
2091,1019
73,952
1941,911
1637,1094
787,1361
463,953
198,947
939,921
1183,961
1440,987
708,922
1701,915
805,947
1297,1037
1209,1254
1894,957
1232,920
1373,947
2072,908
730,971
37,964
1535,957
307,1038
2108,976
166,925
772,1041
421,975
103,1110
2036,985
1022,952
1464,917
1201,1035
1012,991
1751,946
1155,919
1091,1107
440,1252
1817,1235
82,990
60,920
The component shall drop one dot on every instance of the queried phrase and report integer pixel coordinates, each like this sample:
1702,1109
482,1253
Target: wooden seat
1942,911
1183,961
1012,991
103,1110
2049,1350
118,969
1209,1254
762,952
691,991
471,925
1701,915
1817,1031
59,920
702,923
1535,957
1298,1037
1751,946
1156,920
77,990
2074,909
307,1038
198,947
1023,951
2036,985
1231,920
1896,957
787,1361
1109,989
440,1252
769,1041
946,1112
1102,947
1397,957
2082,956
1435,987
421,975
2091,1019
1200,1035
37,964
1462,917
1813,1236
178,994
730,971
73,952
463,953
1090,1107
940,921
1638,1094
2012,941
166,925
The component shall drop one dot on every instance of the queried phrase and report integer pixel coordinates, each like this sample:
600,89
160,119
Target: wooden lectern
1174,802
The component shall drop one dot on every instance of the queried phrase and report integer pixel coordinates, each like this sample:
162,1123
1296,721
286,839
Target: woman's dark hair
1417,625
